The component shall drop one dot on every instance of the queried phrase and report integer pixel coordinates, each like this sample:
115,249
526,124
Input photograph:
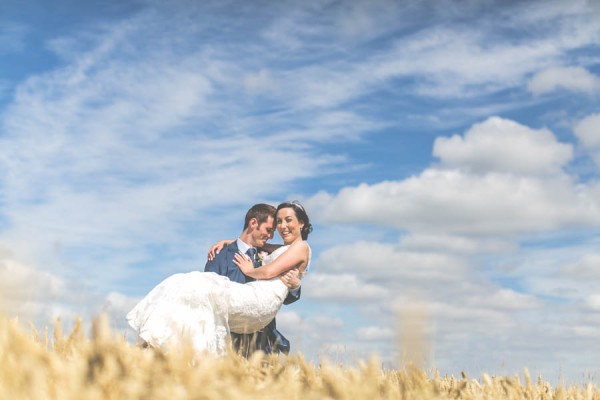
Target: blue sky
446,151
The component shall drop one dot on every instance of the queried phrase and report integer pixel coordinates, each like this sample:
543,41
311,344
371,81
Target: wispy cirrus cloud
116,150
573,79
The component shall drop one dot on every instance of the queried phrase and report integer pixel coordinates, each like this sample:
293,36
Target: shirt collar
242,246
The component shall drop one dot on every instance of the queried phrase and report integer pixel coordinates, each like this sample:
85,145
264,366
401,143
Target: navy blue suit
268,339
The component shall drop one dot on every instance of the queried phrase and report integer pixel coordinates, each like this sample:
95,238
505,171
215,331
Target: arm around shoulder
296,256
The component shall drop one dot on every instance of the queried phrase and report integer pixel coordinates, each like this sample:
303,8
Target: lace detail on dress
185,308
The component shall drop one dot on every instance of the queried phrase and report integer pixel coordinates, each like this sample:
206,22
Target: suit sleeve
293,297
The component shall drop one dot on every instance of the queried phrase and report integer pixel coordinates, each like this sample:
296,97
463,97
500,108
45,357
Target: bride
202,308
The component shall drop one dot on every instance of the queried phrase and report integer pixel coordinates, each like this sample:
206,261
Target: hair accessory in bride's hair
295,203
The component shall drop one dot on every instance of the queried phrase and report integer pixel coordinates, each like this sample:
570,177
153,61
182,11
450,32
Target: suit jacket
268,339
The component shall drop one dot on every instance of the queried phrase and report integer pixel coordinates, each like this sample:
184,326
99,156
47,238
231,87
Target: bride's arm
216,248
294,257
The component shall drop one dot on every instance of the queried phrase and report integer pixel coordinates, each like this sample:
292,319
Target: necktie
251,252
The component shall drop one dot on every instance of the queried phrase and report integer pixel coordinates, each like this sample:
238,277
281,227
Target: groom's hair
261,212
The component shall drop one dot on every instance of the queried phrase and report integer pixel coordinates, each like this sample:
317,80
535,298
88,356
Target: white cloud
384,262
30,294
587,130
119,302
556,11
289,318
508,299
341,287
585,331
116,305
323,321
593,302
483,68
495,199
586,268
260,82
460,225
22,281
456,303
331,126
489,63
34,295
501,145
461,203
573,79
562,272
310,334
455,244
119,148
375,333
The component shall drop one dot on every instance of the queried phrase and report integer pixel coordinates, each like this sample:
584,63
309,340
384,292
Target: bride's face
288,226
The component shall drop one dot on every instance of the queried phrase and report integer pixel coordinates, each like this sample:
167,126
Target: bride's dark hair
300,214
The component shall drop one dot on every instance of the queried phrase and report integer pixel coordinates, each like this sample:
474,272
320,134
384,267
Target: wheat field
103,365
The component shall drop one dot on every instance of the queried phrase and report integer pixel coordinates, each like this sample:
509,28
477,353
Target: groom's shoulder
221,259
230,248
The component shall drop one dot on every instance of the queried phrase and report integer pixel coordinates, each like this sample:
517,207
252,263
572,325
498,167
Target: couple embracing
234,302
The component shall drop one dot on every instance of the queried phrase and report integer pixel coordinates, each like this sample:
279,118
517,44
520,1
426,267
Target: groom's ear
253,223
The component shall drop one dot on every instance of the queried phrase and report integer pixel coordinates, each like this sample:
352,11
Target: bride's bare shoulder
301,245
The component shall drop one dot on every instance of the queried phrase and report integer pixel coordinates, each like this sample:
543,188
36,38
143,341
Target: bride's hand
244,264
216,248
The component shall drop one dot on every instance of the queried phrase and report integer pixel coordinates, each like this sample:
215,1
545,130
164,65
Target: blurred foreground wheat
106,366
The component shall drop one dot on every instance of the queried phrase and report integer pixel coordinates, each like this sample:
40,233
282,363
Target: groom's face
263,232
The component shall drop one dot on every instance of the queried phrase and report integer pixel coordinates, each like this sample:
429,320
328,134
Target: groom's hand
291,279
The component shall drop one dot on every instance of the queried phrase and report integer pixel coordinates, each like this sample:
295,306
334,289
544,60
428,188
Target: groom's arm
269,247
292,296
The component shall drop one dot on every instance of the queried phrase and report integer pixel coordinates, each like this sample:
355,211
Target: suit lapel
231,250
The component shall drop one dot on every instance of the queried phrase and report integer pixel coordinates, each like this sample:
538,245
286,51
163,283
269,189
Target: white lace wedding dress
203,307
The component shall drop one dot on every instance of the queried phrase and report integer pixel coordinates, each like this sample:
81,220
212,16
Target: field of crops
103,365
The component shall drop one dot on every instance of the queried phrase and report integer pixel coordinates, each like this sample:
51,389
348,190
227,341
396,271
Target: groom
259,226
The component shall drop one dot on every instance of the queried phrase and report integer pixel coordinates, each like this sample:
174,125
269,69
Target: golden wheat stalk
106,366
